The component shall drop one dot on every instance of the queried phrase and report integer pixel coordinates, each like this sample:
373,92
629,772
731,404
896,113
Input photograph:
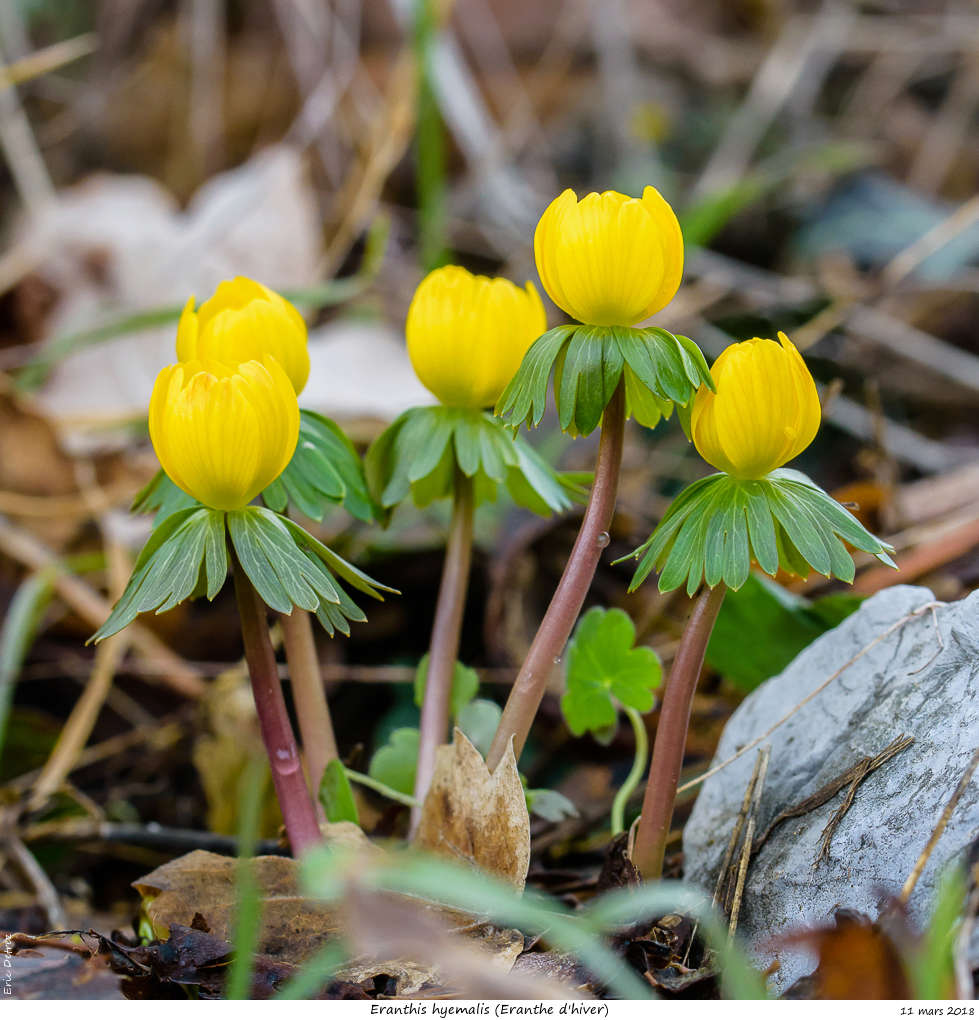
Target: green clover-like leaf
602,665
788,621
465,684
719,527
394,764
550,805
479,720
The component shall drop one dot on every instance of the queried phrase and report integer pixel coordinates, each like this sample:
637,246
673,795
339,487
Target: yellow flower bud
765,411
244,321
468,334
224,433
609,260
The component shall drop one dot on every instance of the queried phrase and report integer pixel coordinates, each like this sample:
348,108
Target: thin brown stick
737,829
164,733
444,646
852,777
94,609
85,712
555,629
759,786
919,867
312,711
671,735
78,727
47,895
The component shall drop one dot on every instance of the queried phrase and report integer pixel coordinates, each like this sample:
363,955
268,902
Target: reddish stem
671,736
312,711
280,742
444,647
555,629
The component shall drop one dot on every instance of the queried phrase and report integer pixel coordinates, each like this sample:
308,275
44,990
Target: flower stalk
280,742
635,773
671,736
569,596
444,646
315,725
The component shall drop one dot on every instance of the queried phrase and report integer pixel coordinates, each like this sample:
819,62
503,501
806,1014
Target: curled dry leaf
202,885
428,951
471,814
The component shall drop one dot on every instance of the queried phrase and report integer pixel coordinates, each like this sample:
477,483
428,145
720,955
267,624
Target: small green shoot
336,796
248,916
17,634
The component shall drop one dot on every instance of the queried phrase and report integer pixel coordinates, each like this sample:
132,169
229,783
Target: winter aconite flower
609,260
223,433
765,411
468,334
244,321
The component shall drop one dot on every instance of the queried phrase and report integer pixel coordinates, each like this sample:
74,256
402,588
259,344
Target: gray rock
920,680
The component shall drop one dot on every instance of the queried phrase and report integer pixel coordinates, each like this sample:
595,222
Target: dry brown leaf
472,815
428,950
202,885
857,960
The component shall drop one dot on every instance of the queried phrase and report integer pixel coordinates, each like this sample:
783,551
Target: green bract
419,453
719,526
187,555
324,471
658,368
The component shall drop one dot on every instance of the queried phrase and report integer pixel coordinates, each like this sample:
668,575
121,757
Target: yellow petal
468,334
764,413
187,332
243,321
609,260
224,433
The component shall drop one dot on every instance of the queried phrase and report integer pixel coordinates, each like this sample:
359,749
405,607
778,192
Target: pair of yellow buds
224,420
609,260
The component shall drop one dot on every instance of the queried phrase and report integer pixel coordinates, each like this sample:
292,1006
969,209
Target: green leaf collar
419,453
659,370
186,555
718,527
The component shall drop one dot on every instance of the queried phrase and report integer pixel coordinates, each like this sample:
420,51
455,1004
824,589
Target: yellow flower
244,321
224,433
765,411
468,334
609,260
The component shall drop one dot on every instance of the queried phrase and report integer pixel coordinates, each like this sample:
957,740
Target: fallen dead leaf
425,950
473,815
199,891
51,972
857,960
